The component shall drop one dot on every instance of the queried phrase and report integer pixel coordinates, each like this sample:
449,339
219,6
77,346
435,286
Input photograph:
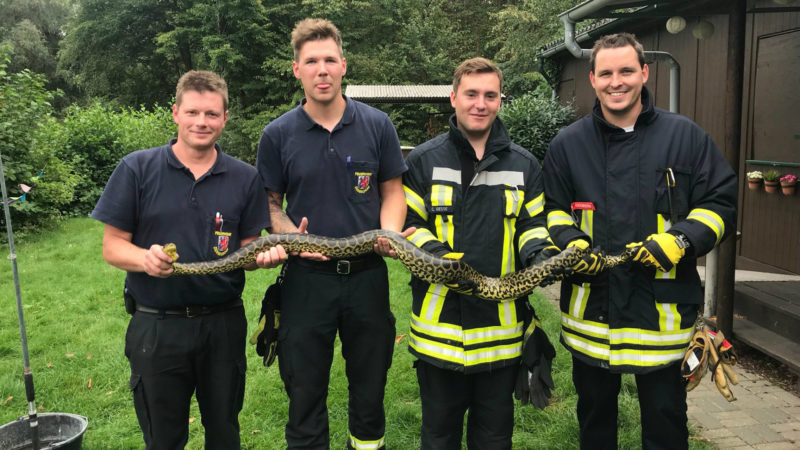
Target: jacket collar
498,141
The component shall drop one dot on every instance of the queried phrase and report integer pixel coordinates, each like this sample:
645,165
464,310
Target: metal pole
28,375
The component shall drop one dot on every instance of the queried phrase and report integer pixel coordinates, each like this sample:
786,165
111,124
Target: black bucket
56,430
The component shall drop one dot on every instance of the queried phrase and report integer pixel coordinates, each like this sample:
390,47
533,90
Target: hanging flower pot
754,180
771,186
788,184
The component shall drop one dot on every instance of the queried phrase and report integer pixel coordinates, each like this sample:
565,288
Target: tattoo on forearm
281,223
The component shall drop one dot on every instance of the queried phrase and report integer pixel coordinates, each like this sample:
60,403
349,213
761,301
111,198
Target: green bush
533,120
25,115
94,138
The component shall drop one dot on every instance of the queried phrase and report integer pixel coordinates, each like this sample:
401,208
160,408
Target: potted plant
771,181
788,184
754,180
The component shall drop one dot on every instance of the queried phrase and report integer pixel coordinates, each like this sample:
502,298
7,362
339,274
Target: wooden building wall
770,224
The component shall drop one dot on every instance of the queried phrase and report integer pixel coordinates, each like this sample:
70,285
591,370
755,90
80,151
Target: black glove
542,256
534,380
265,337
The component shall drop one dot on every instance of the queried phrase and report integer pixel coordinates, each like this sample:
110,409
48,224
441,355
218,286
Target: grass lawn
76,326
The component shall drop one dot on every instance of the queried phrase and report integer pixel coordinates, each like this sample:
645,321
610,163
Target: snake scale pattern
426,266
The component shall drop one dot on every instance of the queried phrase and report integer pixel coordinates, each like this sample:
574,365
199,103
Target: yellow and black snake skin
426,266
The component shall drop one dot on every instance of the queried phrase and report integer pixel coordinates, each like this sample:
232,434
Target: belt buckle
343,267
191,312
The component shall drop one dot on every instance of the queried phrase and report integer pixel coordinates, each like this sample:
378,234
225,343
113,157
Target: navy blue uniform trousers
173,357
662,401
318,302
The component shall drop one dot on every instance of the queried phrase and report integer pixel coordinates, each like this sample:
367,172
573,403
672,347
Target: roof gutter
578,13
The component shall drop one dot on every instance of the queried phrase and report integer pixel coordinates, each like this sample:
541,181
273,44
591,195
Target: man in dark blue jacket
632,175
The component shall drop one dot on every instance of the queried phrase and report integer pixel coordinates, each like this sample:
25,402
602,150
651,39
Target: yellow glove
661,251
591,264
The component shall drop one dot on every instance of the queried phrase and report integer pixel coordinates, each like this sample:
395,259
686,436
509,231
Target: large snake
450,271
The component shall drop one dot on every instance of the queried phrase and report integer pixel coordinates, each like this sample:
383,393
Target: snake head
171,250
463,286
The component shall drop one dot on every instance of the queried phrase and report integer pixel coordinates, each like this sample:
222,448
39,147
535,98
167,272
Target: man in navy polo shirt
339,164
187,333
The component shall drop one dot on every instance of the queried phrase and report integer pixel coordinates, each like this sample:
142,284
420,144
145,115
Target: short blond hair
315,30
202,81
475,65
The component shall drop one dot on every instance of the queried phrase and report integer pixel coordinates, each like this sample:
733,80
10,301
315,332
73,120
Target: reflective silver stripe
471,357
710,219
491,334
446,174
501,178
508,264
535,206
598,329
637,357
648,337
455,334
415,202
474,356
436,299
557,217
585,346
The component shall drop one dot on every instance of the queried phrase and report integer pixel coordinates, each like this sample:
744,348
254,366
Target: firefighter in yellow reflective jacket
472,191
632,175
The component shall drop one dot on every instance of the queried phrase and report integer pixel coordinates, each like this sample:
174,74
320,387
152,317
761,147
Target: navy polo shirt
332,178
156,198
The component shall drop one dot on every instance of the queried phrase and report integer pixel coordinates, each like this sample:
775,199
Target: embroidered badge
362,185
223,238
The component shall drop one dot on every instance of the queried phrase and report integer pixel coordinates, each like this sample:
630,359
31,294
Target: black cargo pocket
284,358
677,199
140,405
238,401
363,181
392,333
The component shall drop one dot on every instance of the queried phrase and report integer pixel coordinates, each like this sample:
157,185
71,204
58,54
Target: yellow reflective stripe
535,206
359,444
421,236
591,348
433,302
644,358
587,222
444,229
436,329
710,219
558,217
651,338
415,202
509,230
669,319
441,195
578,299
662,223
507,312
457,355
475,336
587,327
535,233
490,334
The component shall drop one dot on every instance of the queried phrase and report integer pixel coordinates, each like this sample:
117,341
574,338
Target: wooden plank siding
769,224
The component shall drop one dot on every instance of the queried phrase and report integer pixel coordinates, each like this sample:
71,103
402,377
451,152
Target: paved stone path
763,417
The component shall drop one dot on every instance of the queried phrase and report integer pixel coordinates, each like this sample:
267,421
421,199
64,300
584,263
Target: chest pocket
441,207
362,181
673,188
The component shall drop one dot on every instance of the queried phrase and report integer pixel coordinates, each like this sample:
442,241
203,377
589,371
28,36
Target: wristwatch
682,241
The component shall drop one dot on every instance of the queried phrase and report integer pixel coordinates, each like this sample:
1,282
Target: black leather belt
340,266
190,311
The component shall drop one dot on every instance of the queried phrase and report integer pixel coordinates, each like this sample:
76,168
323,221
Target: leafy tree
25,113
94,138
